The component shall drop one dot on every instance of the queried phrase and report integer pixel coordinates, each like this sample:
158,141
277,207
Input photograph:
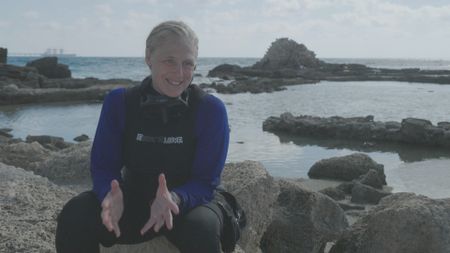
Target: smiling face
172,64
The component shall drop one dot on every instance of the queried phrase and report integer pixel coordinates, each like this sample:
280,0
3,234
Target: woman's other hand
161,209
112,208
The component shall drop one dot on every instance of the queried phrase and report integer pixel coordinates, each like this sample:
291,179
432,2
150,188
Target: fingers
107,220
150,223
168,219
114,186
162,185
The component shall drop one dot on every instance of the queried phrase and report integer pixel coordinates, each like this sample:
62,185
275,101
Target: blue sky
232,28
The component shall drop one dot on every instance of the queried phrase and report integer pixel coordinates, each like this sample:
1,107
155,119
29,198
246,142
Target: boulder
373,178
49,67
346,168
415,130
23,154
401,223
68,166
364,194
49,142
334,193
303,221
257,192
29,205
3,55
81,138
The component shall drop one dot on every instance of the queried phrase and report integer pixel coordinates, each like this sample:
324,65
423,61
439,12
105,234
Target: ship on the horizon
58,52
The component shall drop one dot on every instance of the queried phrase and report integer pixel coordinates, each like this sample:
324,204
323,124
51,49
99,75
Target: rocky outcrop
257,85
303,221
3,55
364,129
287,59
20,77
285,53
50,68
23,85
401,223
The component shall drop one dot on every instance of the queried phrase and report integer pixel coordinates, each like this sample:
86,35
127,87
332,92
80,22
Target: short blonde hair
165,30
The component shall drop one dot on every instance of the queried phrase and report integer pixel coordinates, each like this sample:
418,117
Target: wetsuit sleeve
106,154
212,132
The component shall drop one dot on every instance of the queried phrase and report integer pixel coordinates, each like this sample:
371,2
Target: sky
232,28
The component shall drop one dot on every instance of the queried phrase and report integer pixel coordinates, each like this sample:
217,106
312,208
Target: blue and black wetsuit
187,144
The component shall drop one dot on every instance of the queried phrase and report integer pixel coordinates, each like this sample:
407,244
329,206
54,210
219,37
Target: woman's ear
147,58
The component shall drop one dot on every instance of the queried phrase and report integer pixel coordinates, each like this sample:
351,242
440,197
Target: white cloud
104,9
4,24
31,14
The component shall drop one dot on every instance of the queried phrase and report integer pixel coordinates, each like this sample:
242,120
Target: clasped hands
161,208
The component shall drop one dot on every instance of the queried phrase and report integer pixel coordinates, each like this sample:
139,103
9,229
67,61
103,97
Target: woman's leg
80,228
199,230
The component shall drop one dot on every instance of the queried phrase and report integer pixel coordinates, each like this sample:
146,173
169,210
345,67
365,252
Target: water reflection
407,153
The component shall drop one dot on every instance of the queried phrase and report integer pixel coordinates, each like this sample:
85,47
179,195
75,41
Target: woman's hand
112,208
161,209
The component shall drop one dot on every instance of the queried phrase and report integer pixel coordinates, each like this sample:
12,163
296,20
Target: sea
421,170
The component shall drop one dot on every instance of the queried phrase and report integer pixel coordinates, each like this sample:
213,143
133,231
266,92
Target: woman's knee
200,230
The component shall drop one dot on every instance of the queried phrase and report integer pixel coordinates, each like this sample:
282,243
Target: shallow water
407,168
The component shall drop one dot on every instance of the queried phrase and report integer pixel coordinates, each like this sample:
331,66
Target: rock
362,129
224,70
334,193
81,138
373,178
23,154
49,142
68,166
364,194
3,55
49,67
401,223
415,130
255,190
345,168
304,221
349,206
22,77
5,132
444,124
285,53
29,207
346,187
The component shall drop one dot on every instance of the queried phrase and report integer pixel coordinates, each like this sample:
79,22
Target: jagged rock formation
285,53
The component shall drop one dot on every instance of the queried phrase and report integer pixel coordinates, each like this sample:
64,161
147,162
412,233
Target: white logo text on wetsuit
160,139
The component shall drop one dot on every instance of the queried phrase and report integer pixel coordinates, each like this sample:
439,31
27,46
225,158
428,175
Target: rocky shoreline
289,63
45,80
38,175
364,129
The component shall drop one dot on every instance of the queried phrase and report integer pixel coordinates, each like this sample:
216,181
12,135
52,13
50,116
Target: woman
156,160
